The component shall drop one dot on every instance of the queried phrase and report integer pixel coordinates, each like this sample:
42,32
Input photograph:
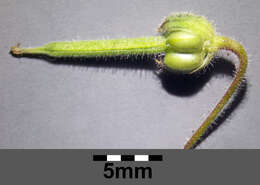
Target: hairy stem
235,47
97,48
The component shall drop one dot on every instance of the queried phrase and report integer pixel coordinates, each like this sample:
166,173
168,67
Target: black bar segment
155,158
127,157
99,158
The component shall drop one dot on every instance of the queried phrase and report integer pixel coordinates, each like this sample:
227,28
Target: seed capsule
182,62
184,42
190,40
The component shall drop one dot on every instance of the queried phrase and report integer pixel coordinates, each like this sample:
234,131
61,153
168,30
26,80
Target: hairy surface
188,41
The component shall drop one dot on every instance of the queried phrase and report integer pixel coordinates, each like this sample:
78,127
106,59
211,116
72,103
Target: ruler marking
115,158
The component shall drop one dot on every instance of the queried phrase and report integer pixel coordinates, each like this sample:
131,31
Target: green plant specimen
188,41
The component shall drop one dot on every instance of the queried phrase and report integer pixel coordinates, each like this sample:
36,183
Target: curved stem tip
235,47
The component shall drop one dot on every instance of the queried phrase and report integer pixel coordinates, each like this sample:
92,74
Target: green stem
93,48
230,45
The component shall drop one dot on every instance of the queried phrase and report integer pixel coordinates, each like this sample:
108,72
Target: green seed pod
184,42
190,42
184,62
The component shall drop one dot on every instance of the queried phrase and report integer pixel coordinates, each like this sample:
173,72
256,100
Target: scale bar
138,158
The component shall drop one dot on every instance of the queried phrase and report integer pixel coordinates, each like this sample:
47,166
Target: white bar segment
141,158
113,157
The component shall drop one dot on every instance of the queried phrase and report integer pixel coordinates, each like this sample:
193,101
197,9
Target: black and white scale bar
115,158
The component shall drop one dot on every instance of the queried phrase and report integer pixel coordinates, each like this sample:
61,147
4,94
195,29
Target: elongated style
188,42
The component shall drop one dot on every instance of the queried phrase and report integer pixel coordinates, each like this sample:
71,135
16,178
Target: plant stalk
235,47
